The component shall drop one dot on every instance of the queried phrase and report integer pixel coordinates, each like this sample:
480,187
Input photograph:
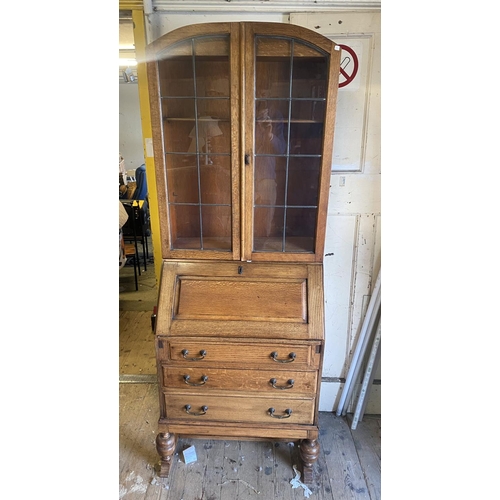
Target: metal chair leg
144,250
135,272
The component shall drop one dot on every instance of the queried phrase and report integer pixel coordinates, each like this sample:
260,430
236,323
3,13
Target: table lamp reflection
207,128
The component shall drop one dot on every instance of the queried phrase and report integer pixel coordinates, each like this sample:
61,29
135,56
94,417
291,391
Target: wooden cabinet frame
234,307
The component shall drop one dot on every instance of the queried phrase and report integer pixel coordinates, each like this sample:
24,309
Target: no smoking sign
349,65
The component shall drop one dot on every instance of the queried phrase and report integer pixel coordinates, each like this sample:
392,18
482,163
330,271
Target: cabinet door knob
247,159
282,387
288,413
204,379
291,357
185,352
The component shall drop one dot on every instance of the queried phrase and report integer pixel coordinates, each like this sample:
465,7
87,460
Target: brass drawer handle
204,379
291,357
288,413
185,352
204,410
282,387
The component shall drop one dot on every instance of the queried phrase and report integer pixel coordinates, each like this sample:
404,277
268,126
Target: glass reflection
195,91
290,87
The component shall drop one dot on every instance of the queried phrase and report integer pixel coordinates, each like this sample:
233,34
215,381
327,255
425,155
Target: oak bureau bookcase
243,118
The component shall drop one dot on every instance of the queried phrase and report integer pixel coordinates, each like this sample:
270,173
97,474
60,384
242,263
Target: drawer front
279,382
266,410
220,354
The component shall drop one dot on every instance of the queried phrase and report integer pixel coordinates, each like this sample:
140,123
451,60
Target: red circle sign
348,77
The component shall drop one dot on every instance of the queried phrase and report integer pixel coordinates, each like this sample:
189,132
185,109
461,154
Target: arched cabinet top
240,29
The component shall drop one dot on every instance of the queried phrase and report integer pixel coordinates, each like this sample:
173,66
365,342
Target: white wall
130,136
353,236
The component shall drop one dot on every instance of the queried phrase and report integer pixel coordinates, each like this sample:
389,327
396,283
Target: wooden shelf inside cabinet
242,117
292,121
175,119
200,119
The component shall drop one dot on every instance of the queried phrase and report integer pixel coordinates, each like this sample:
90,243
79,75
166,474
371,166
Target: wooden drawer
239,354
279,382
239,408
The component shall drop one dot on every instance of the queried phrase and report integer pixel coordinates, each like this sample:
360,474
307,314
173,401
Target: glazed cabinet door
290,98
194,92
243,119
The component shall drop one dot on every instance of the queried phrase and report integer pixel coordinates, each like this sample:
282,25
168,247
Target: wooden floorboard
345,475
137,431
367,439
137,346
